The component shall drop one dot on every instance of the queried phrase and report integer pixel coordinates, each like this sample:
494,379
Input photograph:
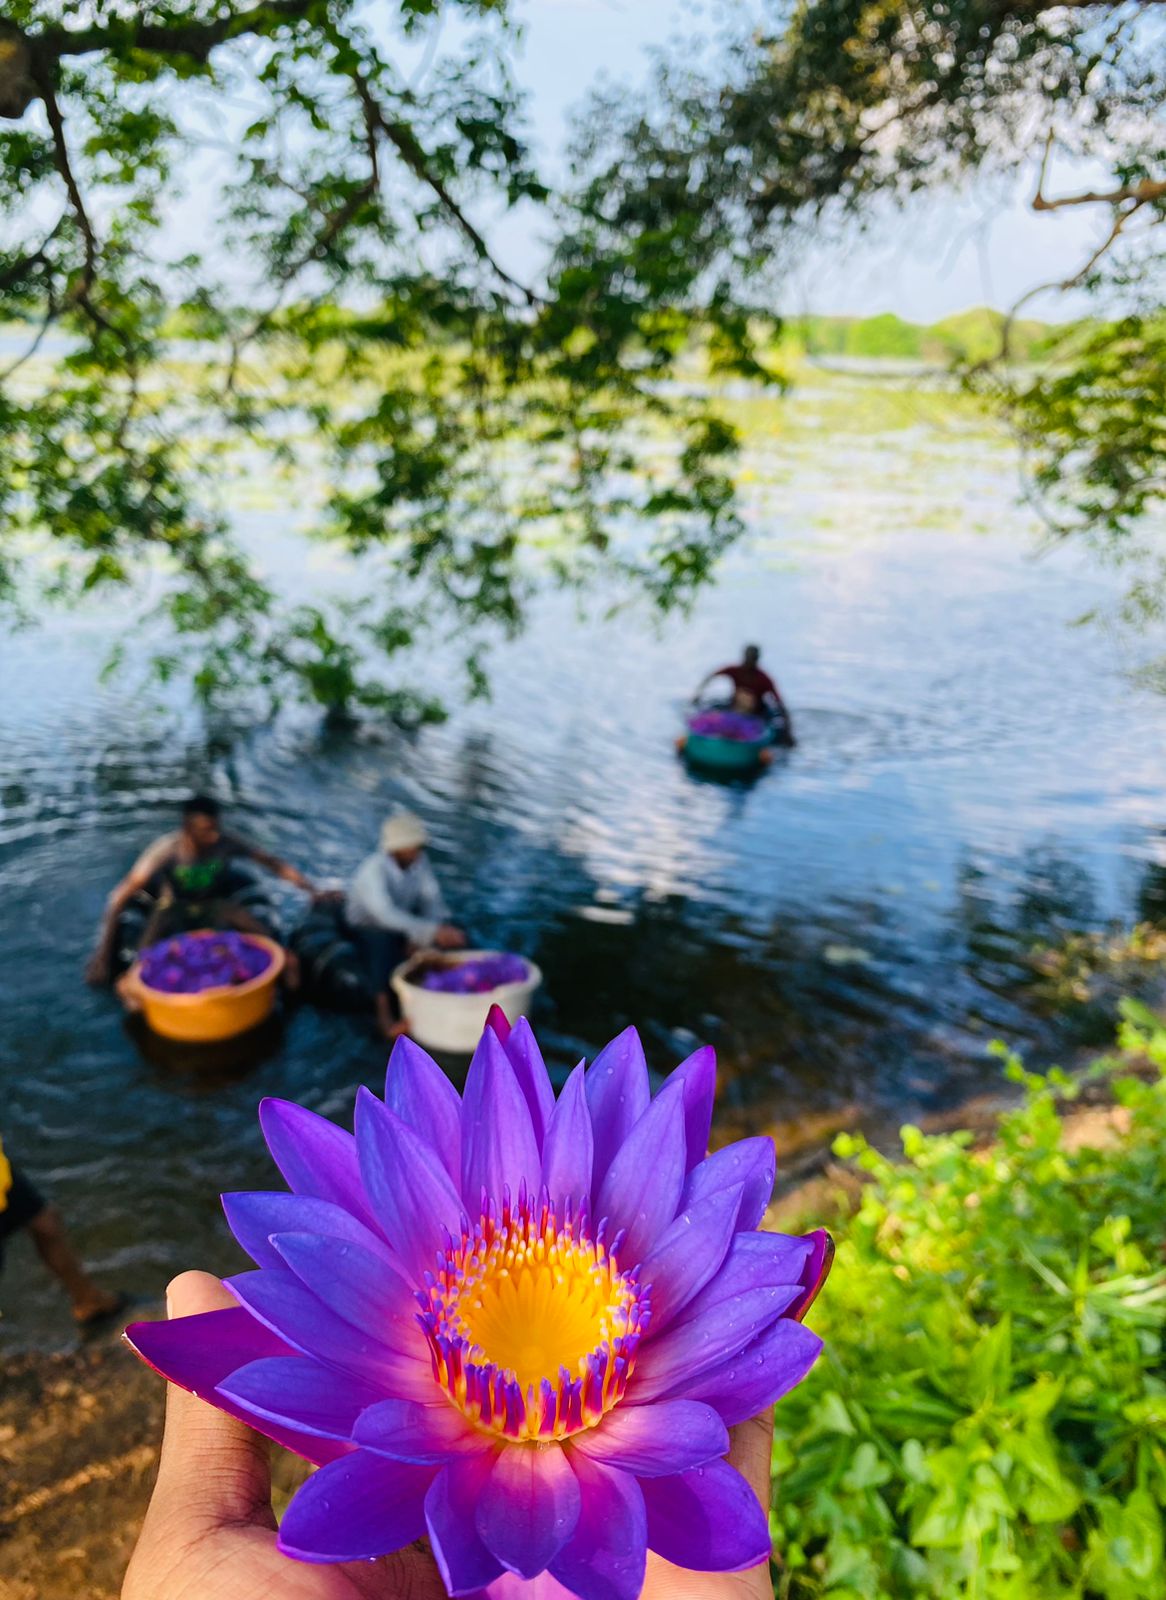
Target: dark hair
753,650
201,805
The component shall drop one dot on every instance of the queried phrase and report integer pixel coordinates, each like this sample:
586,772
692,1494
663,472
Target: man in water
23,1207
394,904
754,691
188,872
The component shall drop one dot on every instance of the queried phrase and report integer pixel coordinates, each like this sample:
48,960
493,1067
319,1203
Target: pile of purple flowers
735,725
478,976
517,1325
193,962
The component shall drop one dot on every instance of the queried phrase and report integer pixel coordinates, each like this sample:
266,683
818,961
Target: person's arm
433,906
99,967
371,890
446,935
274,864
717,672
781,708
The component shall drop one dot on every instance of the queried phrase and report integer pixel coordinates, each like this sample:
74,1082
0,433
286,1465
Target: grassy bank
988,1420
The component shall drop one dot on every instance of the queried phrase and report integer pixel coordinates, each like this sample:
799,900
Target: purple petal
569,1147
815,1272
407,1185
197,1353
498,1143
617,1097
751,1163
769,1366
357,1285
314,1155
282,1303
672,1363
407,1431
528,1508
753,1259
421,1095
708,1520
297,1392
688,1253
657,1440
606,1557
253,1216
699,1076
530,1069
642,1188
462,1559
358,1508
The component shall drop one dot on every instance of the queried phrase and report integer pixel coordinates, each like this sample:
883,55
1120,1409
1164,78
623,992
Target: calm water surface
973,774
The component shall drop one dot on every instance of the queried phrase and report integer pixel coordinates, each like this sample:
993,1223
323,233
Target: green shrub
989,1418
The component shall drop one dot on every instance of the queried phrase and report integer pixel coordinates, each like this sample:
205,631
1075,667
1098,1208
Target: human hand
448,937
209,1532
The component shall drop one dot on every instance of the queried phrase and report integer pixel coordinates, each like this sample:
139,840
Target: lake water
973,774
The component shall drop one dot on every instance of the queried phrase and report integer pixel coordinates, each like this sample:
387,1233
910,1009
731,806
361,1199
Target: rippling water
972,774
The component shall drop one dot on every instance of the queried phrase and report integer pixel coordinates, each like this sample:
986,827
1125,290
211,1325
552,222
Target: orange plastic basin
215,1013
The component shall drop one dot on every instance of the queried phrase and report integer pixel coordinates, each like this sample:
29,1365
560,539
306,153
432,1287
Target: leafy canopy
479,435
828,109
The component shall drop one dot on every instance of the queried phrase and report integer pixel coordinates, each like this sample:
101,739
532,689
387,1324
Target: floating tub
215,1013
454,1022
725,755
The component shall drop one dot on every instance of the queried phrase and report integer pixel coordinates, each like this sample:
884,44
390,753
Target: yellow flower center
532,1326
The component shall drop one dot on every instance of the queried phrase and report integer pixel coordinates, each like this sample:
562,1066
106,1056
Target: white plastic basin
454,1022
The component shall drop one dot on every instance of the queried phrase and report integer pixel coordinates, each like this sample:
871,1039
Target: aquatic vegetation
990,1418
735,725
477,976
193,962
521,1327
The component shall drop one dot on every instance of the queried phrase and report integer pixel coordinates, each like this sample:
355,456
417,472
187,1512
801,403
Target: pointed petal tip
498,1022
815,1272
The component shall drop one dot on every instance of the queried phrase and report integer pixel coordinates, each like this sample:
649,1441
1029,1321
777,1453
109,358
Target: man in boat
24,1209
754,691
188,874
395,904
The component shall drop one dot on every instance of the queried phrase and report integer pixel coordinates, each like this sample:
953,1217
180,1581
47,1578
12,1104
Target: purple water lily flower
517,1326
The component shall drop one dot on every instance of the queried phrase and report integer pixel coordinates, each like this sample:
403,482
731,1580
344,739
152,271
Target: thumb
214,1470
751,1450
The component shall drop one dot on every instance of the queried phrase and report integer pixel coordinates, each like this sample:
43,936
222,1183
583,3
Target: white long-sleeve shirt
405,900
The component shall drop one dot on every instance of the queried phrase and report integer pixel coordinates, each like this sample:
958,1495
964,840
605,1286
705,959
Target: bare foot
97,1306
291,971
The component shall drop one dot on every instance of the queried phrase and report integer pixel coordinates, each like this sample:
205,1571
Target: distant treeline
969,336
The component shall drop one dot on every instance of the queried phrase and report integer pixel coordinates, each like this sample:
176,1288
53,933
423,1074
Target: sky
985,247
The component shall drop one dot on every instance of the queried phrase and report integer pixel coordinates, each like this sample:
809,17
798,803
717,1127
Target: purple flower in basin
517,1326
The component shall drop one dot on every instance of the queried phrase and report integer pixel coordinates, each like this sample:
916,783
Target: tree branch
401,136
194,39
81,292
1144,191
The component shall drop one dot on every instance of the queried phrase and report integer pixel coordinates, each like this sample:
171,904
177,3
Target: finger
214,1470
751,1451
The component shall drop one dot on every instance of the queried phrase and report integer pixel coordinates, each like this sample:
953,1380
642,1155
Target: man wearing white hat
395,903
